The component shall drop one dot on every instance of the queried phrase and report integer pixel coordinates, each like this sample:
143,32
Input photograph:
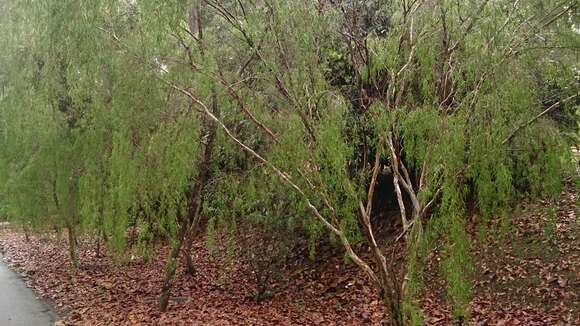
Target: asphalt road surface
18,305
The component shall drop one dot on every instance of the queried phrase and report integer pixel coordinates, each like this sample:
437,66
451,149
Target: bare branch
243,108
539,115
396,175
374,177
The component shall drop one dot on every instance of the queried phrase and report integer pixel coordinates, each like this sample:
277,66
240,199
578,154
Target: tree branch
541,114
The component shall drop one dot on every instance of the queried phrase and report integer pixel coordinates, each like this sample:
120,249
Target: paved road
18,305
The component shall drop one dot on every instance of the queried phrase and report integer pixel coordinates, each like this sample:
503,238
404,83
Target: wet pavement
18,304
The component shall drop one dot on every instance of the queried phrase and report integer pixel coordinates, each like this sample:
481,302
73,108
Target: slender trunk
390,289
26,232
190,222
196,195
189,267
72,242
396,182
170,269
58,232
98,249
386,281
100,231
194,202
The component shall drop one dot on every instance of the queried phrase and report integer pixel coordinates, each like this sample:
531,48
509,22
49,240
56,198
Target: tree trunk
26,233
386,281
58,232
189,225
189,268
72,242
390,289
170,269
100,230
195,199
98,249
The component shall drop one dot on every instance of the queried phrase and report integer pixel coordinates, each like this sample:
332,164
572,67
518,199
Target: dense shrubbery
275,116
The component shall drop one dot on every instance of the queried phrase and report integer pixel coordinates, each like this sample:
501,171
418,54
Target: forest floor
530,276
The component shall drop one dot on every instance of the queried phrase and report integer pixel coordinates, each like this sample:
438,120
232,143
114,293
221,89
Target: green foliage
103,108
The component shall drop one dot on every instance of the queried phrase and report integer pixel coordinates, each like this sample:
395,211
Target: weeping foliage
105,107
